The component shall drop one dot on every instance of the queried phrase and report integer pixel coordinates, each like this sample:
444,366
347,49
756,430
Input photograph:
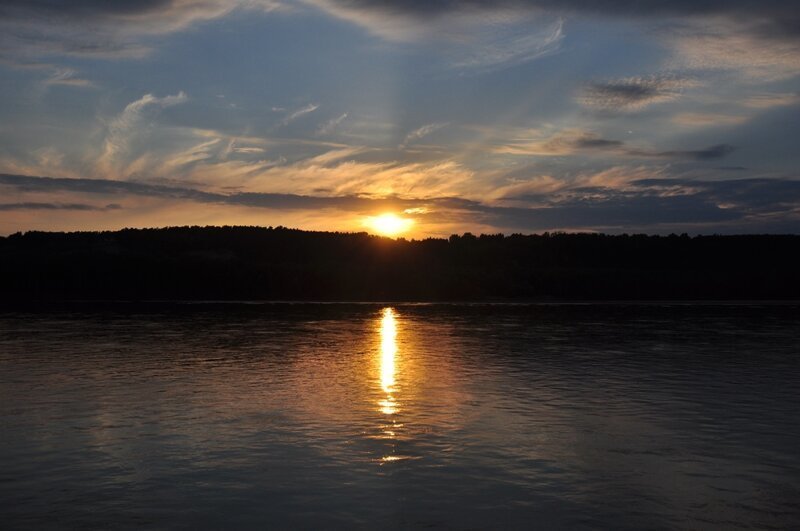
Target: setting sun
389,224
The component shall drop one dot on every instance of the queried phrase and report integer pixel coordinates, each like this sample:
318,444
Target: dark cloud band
627,7
741,205
55,206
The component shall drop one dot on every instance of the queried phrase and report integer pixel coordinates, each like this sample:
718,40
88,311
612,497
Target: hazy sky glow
503,116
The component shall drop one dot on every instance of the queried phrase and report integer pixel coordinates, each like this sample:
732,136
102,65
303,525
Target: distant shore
270,265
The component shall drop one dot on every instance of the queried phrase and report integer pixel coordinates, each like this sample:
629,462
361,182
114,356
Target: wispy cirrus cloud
294,115
330,126
66,76
513,45
421,132
127,125
354,171
469,36
54,74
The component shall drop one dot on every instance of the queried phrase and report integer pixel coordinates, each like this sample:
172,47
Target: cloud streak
56,206
421,132
633,93
576,141
291,117
104,29
330,126
67,77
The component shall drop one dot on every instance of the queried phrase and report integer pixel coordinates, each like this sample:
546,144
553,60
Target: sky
512,116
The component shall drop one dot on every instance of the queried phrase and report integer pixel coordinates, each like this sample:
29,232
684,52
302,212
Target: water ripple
452,416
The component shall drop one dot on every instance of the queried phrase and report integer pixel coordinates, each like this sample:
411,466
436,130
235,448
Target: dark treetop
250,263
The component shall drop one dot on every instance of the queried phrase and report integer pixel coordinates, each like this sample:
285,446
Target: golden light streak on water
388,354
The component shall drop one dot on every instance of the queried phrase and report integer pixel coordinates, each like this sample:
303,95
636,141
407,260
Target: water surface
368,416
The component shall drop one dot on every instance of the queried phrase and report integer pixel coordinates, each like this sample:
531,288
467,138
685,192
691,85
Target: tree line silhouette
257,263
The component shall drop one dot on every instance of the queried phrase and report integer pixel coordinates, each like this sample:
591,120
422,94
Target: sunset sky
503,116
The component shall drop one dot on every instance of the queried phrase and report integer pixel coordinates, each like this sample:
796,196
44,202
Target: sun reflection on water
388,405
388,354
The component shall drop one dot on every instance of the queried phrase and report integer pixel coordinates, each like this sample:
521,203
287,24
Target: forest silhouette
257,263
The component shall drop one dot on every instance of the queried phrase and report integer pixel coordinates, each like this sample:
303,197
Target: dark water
451,417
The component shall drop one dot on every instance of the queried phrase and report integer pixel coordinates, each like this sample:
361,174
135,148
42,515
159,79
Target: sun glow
389,224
